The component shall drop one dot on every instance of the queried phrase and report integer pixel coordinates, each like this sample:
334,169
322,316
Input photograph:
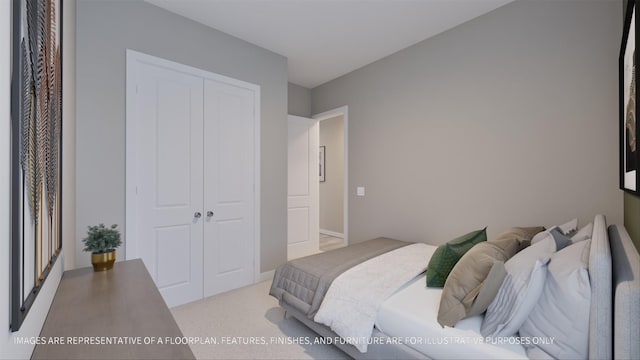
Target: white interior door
229,187
169,107
303,188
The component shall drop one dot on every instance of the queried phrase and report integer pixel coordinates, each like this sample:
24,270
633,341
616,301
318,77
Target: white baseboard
268,275
332,233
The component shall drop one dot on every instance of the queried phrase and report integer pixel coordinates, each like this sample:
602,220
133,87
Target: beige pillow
469,289
487,290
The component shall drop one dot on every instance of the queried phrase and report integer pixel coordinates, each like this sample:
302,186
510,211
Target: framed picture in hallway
322,163
36,153
628,80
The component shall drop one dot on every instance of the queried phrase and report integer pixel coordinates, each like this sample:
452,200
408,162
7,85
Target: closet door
169,157
229,157
193,168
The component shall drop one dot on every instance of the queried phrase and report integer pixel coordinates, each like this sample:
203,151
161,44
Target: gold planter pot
103,261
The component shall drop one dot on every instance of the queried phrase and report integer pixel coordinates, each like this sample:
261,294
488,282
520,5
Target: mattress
410,316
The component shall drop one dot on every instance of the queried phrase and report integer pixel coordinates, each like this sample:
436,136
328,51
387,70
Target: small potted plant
102,242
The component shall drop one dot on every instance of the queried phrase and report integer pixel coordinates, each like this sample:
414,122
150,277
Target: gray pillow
560,239
562,311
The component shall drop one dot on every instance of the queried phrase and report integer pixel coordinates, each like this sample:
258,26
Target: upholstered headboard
626,295
614,271
600,317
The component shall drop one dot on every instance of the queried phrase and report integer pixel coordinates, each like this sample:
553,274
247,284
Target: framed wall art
322,163
628,80
36,143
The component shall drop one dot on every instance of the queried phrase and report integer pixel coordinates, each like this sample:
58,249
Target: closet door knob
197,215
209,213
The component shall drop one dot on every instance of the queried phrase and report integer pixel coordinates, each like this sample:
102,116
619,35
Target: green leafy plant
101,239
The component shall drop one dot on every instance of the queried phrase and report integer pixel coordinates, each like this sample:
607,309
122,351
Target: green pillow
447,255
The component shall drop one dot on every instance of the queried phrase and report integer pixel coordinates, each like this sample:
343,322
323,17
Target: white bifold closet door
170,181
228,187
194,202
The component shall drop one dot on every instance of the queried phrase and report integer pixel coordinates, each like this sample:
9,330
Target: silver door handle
197,215
209,213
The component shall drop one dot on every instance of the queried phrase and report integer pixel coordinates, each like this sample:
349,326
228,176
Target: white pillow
566,229
562,312
569,227
583,234
517,295
516,298
559,240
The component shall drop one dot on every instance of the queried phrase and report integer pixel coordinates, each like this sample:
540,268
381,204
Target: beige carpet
245,315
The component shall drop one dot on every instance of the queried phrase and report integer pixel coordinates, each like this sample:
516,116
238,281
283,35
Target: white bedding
351,314
410,316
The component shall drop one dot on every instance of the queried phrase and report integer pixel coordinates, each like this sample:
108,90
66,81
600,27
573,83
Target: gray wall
332,189
299,100
69,138
507,120
105,29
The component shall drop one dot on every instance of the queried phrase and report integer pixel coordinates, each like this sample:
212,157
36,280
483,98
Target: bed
404,322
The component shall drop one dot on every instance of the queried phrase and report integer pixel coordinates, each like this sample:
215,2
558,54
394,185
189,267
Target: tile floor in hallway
328,242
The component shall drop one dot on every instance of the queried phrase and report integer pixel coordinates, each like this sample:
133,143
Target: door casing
344,111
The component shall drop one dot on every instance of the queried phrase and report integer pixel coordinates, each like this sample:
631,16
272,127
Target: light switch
360,191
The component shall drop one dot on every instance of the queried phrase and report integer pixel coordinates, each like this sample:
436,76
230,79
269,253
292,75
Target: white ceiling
324,39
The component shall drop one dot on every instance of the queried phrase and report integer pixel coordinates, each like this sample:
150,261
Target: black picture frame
628,106
36,150
322,166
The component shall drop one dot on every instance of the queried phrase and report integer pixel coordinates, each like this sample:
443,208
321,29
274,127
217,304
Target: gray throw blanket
302,283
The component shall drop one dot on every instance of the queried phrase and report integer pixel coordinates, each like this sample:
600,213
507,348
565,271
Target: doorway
304,230
343,112
307,228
